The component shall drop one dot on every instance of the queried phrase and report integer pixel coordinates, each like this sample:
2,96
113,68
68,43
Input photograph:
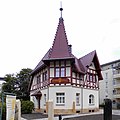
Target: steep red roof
41,63
88,59
60,48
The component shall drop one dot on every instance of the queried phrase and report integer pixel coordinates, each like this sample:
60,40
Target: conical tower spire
60,48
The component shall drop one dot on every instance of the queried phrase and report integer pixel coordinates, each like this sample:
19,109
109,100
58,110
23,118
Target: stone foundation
68,111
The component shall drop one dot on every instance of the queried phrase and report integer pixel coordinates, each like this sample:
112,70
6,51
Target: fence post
108,109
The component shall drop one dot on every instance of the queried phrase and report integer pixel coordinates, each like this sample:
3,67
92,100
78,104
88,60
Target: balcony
116,74
117,86
117,95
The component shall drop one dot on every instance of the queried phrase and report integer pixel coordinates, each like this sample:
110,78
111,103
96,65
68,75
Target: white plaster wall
70,96
42,104
86,93
102,85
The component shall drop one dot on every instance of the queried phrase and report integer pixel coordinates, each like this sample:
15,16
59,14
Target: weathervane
61,9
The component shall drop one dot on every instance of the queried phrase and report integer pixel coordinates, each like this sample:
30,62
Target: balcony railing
117,95
116,74
117,85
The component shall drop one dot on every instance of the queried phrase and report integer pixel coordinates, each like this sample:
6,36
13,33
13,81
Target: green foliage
10,82
3,110
27,107
18,84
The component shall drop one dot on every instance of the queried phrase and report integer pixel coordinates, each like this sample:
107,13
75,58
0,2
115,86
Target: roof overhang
37,93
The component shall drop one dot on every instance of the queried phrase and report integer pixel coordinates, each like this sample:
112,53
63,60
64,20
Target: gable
92,66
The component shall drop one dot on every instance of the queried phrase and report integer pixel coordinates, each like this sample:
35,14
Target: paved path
92,116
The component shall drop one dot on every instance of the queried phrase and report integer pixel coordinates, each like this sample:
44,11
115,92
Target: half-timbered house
72,83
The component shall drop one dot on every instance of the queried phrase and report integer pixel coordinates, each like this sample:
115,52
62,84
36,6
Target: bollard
60,117
108,109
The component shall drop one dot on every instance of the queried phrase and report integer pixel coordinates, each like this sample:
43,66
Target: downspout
82,95
82,99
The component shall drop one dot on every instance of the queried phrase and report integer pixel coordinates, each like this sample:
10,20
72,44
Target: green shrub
27,107
3,110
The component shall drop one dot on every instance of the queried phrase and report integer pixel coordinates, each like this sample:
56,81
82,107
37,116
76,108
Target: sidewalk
70,116
114,112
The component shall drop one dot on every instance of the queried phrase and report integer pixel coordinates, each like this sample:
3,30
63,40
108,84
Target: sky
28,27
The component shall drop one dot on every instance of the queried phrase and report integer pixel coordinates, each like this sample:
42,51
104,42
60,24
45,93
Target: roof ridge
88,54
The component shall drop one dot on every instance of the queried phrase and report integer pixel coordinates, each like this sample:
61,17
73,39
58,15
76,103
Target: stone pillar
74,111
46,107
18,110
50,110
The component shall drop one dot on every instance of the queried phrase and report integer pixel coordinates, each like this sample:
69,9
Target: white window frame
62,72
91,99
45,99
77,99
60,98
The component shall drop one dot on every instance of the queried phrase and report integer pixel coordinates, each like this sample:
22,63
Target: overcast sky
28,27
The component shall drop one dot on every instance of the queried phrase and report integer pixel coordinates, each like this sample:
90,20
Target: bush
3,110
27,107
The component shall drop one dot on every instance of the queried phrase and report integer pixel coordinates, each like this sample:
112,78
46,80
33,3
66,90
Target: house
72,83
110,85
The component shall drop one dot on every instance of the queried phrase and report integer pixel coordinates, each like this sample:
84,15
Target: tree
8,86
22,83
18,84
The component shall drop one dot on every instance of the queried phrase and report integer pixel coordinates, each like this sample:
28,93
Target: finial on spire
61,9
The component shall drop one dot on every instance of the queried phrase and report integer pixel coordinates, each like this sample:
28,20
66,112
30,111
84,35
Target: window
91,78
60,98
114,82
91,99
44,76
106,84
106,75
77,99
62,72
57,72
44,99
38,79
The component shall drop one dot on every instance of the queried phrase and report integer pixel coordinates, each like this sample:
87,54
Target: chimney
70,48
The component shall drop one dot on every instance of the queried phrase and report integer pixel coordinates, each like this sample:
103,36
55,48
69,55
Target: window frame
60,98
91,99
77,99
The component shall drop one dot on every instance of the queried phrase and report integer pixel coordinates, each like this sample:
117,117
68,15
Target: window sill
77,104
60,104
92,104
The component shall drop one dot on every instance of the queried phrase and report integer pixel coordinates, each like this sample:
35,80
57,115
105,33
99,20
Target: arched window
91,99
